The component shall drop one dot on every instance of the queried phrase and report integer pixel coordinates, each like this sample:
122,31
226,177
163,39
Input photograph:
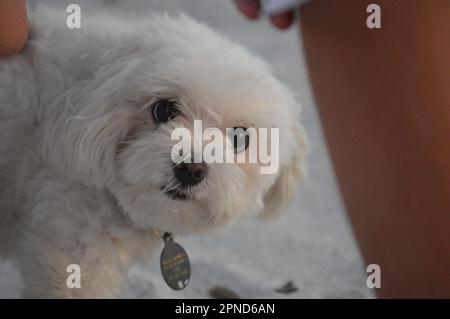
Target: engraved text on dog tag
175,266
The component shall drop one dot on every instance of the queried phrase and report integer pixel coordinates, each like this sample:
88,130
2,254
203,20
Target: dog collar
174,262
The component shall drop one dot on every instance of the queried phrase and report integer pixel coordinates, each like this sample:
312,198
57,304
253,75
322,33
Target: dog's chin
177,212
176,194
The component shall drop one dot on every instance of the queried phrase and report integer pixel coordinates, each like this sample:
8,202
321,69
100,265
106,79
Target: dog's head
179,72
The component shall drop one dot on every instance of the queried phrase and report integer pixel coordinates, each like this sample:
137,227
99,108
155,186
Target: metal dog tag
175,266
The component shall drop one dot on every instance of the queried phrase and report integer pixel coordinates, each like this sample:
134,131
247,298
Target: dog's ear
84,144
290,178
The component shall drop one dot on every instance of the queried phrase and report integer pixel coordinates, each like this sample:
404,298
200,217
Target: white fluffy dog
85,157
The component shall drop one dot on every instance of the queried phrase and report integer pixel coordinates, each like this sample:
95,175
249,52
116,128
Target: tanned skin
13,26
384,100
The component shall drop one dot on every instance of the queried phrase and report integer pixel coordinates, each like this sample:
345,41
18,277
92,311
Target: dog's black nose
190,173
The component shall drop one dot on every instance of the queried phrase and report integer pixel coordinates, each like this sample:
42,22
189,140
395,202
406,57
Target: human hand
13,26
252,10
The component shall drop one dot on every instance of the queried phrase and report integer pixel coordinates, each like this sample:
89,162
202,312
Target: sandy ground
312,245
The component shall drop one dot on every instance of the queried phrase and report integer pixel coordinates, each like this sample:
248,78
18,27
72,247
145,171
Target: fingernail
250,8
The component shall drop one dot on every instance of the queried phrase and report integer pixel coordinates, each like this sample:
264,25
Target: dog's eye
241,139
164,110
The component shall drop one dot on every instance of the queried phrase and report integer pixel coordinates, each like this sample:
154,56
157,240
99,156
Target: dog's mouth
175,194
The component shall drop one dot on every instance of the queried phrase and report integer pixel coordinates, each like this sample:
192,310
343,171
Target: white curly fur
81,163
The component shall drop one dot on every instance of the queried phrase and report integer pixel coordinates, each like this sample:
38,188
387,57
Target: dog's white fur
81,163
